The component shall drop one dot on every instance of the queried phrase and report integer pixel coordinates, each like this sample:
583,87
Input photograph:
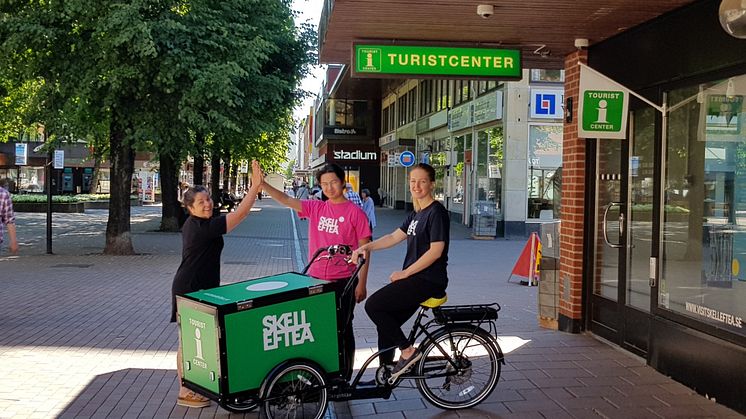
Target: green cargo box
232,336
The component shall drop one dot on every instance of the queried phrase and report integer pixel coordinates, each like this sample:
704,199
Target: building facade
496,147
651,246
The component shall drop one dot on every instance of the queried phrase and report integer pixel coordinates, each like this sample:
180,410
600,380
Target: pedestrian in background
7,219
353,196
369,208
202,237
383,195
302,192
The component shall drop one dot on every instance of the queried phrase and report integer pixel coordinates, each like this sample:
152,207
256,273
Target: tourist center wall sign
381,60
603,106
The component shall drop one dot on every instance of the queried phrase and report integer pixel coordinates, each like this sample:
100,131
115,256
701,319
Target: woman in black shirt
423,274
202,237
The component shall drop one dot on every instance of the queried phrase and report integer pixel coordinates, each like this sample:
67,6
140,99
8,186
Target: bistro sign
344,131
381,60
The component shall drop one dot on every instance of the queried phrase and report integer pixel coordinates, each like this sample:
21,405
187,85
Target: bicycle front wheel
475,374
296,391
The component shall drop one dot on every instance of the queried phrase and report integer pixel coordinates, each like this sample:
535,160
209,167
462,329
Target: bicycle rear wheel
297,390
478,368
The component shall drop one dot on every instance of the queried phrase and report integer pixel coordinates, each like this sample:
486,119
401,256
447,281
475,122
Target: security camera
485,10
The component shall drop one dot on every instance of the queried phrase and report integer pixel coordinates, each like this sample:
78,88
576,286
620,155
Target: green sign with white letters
373,60
603,110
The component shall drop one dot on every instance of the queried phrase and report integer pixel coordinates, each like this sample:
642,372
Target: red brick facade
573,202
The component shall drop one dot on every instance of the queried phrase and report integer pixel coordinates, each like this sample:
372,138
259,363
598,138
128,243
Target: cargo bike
276,343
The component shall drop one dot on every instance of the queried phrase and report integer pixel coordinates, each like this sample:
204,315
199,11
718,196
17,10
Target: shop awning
545,30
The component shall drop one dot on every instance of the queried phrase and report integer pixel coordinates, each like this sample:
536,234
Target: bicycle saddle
434,302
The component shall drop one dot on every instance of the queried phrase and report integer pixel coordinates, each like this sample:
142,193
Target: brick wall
573,202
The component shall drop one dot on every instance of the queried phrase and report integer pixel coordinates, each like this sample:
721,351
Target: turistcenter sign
391,60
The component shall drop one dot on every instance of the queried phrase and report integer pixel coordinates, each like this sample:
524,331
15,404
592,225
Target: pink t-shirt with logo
330,224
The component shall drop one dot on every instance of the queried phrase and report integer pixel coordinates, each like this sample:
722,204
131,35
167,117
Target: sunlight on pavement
507,344
61,374
511,343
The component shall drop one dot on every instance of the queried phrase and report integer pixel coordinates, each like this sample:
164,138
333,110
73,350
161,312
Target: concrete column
573,223
515,181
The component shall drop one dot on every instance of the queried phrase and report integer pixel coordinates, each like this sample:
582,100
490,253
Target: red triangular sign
526,265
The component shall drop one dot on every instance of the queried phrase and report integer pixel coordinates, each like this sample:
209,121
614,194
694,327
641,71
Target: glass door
620,289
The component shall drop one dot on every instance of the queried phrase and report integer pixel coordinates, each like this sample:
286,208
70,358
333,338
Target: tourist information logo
602,111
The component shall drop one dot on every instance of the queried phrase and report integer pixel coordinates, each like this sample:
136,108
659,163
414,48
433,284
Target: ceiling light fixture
485,10
732,15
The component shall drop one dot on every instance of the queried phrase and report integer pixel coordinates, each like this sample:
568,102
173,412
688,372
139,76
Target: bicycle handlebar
335,249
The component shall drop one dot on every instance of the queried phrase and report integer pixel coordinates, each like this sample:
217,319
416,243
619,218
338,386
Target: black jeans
346,310
391,306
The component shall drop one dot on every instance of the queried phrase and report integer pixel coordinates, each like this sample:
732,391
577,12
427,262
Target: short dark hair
192,192
331,168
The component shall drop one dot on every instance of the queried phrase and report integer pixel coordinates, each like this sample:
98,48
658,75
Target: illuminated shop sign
373,60
355,155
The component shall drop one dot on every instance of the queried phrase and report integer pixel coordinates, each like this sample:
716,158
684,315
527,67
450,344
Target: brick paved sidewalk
86,335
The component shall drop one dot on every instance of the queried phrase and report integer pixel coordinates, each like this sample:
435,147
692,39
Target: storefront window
704,227
544,160
490,160
458,174
348,113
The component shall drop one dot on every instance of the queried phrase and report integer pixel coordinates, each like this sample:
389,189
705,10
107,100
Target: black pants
345,316
391,306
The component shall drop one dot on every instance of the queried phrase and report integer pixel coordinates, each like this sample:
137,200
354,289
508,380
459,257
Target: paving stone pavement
87,335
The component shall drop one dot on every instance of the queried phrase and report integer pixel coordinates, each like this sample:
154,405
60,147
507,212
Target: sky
310,10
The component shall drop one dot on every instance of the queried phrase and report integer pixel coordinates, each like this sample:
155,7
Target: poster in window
723,117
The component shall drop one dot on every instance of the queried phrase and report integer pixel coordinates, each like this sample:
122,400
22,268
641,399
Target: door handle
621,224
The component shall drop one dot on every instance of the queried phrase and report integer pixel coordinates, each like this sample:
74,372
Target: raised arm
282,197
233,219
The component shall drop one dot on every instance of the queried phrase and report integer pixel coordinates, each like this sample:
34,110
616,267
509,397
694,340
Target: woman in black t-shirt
423,274
202,237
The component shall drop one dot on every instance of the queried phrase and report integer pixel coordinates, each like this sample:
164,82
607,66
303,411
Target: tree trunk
215,178
234,177
118,237
96,175
169,194
227,171
199,160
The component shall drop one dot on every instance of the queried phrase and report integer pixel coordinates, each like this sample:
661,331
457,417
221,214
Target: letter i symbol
369,62
601,112
198,343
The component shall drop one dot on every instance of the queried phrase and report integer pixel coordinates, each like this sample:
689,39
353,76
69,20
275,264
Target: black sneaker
405,365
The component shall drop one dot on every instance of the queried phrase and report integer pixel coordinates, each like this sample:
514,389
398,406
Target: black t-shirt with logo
200,257
431,224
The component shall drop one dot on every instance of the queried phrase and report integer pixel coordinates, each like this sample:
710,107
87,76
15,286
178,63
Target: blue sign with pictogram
546,103
406,159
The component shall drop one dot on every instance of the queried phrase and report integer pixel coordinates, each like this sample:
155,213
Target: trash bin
232,336
548,294
485,219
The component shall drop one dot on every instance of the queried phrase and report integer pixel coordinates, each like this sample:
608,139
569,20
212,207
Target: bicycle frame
428,329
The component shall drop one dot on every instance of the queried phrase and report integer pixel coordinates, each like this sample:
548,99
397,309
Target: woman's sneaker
193,399
405,365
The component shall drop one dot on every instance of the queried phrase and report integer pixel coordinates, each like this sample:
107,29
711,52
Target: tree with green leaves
150,72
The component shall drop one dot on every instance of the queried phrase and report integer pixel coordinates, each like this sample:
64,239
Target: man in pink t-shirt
331,222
